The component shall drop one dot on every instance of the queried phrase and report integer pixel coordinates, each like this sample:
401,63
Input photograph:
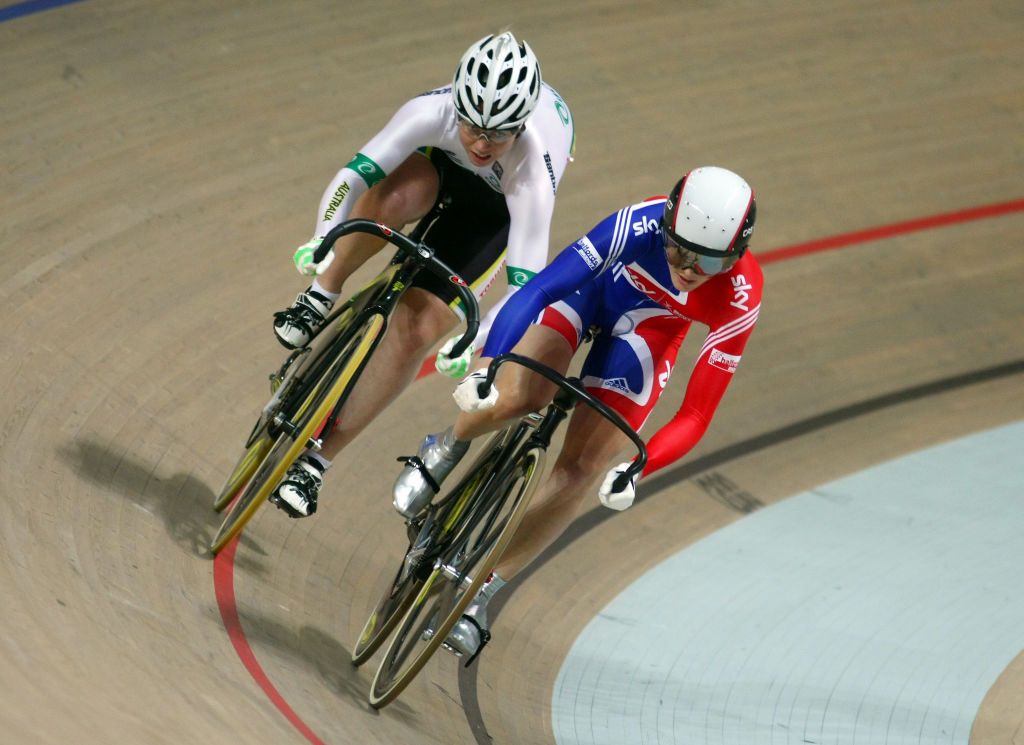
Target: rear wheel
243,471
477,540
260,438
335,382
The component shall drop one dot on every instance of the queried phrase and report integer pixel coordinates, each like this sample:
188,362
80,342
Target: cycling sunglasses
682,257
496,136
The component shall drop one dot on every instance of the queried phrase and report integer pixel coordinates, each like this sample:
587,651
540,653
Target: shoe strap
416,462
485,636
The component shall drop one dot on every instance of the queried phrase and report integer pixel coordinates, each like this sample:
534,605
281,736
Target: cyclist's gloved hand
467,393
303,258
453,367
617,500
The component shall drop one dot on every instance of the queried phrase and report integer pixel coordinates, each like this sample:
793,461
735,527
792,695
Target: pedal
276,379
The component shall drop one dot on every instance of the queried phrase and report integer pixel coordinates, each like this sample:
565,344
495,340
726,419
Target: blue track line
29,7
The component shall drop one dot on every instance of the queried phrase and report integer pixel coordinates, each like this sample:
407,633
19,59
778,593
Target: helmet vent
497,83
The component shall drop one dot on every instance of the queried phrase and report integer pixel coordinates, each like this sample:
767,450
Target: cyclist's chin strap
417,463
485,636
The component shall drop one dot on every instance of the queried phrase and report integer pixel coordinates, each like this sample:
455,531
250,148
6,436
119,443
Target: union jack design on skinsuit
617,278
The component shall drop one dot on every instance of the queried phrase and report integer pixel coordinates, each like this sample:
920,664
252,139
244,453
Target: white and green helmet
497,83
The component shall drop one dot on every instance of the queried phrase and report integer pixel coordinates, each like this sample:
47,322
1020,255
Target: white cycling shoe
295,326
298,492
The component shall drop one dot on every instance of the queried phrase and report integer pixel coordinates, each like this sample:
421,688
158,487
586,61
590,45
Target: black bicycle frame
571,392
413,256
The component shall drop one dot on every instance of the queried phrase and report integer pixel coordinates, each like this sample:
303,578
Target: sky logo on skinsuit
639,283
723,361
588,252
739,292
644,226
663,377
650,287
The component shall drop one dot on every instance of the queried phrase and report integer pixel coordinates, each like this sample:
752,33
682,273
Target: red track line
223,564
224,589
888,231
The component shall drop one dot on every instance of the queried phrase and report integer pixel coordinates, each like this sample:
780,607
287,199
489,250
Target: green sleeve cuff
370,172
518,277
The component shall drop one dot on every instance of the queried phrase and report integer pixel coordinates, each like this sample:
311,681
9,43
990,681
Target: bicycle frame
466,497
571,392
532,431
312,386
462,537
380,297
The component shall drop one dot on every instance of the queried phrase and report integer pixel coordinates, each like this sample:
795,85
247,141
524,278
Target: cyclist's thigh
629,367
420,320
544,345
404,195
470,235
590,443
552,340
573,316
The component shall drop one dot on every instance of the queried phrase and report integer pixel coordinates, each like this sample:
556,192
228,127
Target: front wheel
458,574
431,532
325,393
389,610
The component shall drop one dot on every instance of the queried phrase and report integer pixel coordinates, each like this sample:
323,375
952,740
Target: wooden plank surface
159,161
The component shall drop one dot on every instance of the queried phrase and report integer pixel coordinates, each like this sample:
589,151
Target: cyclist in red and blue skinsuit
616,278
640,278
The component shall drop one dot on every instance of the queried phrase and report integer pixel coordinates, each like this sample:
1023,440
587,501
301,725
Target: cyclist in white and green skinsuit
493,146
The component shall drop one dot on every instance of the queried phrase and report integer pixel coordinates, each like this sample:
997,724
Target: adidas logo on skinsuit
616,384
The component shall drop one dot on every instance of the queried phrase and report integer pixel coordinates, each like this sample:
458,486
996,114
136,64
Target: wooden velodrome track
159,161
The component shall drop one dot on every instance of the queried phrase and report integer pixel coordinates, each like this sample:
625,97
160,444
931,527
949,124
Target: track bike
457,540
313,383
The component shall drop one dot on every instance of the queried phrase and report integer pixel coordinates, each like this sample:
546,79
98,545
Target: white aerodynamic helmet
711,212
497,83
